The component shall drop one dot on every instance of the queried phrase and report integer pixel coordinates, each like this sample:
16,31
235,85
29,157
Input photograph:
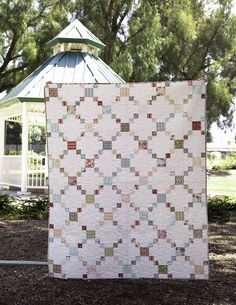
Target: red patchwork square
196,125
71,145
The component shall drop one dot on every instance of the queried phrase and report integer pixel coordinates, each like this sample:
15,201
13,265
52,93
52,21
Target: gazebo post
24,152
2,147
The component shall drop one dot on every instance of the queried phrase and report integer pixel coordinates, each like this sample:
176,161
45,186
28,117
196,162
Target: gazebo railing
37,173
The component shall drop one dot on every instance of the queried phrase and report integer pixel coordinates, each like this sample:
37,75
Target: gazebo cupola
75,60
76,37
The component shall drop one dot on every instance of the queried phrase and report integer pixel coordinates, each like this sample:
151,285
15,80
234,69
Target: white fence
37,172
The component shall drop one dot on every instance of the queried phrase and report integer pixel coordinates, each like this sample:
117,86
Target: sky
234,7
224,137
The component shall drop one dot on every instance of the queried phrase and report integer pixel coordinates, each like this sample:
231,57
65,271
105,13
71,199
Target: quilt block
127,180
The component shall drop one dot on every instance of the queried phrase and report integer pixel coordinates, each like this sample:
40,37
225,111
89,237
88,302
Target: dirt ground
26,285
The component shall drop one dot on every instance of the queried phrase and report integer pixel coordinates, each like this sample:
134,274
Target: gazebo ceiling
74,61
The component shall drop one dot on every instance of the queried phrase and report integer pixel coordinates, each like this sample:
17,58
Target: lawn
222,184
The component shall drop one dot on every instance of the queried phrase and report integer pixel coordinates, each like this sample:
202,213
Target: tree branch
206,51
8,57
40,14
130,38
110,8
13,70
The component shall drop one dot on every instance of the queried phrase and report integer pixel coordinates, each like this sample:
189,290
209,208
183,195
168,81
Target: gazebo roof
76,64
76,32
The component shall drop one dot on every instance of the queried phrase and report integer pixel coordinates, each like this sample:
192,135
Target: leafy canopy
146,40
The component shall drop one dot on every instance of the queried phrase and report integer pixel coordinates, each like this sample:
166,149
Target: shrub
18,208
226,163
221,208
34,208
6,205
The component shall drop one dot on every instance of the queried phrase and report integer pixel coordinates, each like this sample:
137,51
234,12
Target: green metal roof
76,32
64,67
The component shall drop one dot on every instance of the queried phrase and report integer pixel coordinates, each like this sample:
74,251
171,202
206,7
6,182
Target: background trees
146,40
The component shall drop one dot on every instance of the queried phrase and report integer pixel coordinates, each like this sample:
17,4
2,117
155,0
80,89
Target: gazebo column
24,166
2,148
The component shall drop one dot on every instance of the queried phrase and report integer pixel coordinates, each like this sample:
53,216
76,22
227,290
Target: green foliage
18,208
169,40
12,152
146,40
221,208
221,164
25,27
6,205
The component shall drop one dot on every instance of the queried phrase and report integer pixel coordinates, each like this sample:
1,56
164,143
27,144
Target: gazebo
74,60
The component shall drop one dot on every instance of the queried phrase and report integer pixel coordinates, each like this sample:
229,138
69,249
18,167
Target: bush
221,164
6,205
221,208
18,208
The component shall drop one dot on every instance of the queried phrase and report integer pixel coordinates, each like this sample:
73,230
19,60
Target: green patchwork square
163,269
90,234
179,216
55,163
179,144
109,251
90,199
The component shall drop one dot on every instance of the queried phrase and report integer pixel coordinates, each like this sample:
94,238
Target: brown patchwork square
89,163
72,180
144,251
124,127
73,216
57,268
143,144
197,233
53,92
199,269
179,180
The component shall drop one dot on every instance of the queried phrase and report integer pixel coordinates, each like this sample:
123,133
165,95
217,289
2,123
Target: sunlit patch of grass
222,184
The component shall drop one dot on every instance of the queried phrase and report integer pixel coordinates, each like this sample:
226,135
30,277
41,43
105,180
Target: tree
146,40
169,40
199,42
25,27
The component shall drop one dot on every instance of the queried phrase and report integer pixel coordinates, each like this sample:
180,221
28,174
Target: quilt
127,180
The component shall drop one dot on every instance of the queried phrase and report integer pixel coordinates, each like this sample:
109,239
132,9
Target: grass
222,184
